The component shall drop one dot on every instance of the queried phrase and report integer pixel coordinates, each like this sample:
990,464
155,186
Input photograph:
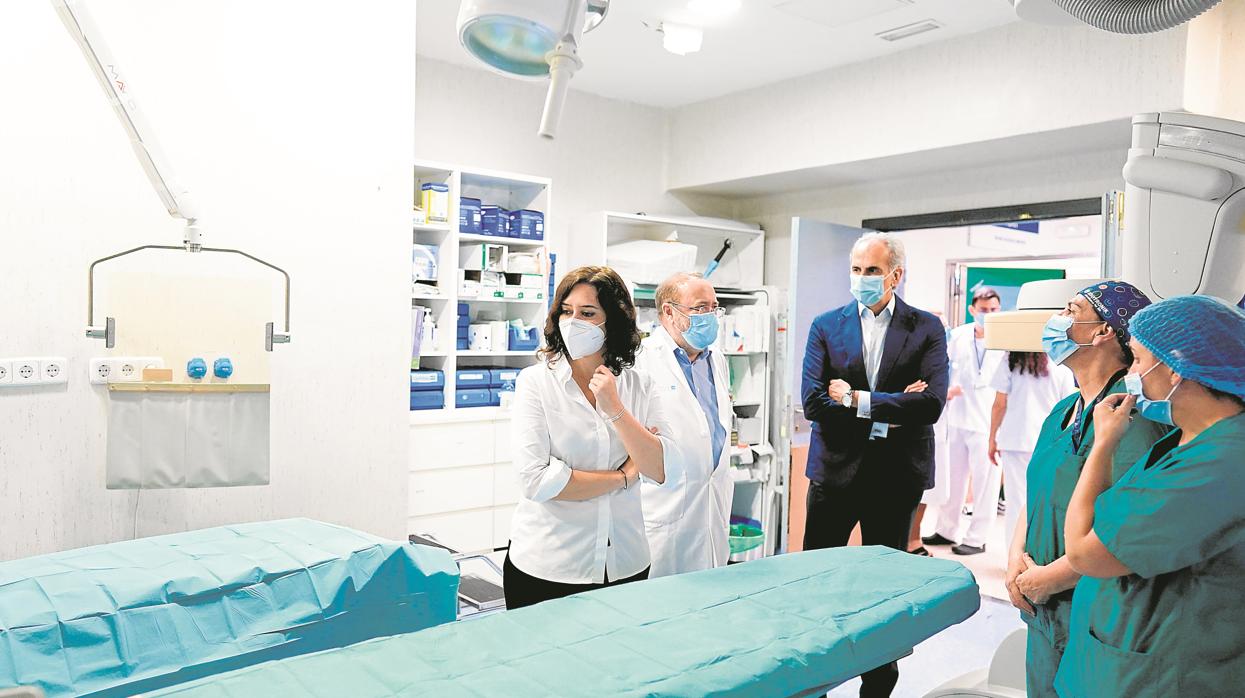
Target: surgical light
679,39
531,39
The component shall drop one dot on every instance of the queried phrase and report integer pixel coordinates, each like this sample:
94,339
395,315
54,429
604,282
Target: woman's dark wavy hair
622,337
1028,362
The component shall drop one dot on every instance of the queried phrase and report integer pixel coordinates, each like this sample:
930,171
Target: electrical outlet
52,370
25,371
121,369
99,371
6,372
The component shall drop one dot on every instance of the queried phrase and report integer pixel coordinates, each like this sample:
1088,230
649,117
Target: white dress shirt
873,338
555,430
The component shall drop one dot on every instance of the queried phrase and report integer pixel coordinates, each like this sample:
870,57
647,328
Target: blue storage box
524,340
473,397
427,379
494,220
529,225
463,344
469,215
464,309
494,396
427,399
464,322
464,333
472,378
501,376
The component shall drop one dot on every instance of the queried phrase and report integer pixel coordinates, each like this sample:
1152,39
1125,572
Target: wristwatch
847,399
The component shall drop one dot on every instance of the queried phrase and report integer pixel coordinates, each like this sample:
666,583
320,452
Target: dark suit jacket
915,349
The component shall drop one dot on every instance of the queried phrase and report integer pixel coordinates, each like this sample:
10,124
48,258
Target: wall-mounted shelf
189,388
432,227
490,299
497,353
495,240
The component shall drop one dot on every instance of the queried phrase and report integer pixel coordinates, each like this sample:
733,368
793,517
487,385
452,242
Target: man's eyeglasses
717,310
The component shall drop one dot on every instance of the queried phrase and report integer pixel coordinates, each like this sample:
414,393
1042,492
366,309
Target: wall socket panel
33,370
121,369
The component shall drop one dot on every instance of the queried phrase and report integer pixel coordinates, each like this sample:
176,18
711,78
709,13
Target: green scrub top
1176,626
1052,475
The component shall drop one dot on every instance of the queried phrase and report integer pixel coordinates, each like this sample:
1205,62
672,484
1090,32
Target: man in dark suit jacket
875,381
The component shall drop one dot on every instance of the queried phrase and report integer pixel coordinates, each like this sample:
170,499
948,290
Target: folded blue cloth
123,618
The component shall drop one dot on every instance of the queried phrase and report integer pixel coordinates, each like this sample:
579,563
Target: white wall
294,130
1018,79
609,154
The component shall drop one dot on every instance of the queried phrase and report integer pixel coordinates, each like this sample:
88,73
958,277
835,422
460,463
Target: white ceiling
767,41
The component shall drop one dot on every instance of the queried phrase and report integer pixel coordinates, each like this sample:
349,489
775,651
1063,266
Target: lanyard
1080,424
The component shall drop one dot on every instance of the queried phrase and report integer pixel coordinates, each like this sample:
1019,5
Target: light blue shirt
873,338
699,374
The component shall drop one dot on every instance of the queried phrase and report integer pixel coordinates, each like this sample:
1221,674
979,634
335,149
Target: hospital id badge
879,430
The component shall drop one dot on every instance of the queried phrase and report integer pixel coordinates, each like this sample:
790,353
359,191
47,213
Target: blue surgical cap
1117,302
1199,337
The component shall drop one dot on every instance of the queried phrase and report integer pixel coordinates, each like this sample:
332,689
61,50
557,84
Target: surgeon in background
1090,337
1160,611
688,522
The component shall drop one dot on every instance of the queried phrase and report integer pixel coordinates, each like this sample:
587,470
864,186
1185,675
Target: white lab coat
688,522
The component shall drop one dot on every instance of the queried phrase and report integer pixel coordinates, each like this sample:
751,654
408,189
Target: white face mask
582,338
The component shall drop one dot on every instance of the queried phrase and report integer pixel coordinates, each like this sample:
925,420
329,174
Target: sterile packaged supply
469,218
480,337
423,263
499,335
494,220
523,263
650,261
528,225
435,200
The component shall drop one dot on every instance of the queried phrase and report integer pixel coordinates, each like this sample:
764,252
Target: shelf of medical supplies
496,353
432,354
427,297
498,240
749,403
494,299
432,227
189,387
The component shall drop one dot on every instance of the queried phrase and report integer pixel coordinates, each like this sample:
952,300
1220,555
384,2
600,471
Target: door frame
955,294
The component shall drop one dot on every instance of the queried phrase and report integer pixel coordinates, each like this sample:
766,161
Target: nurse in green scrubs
1160,610
1089,337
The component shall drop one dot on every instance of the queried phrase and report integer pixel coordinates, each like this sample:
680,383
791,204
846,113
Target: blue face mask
868,290
1055,341
1154,410
703,330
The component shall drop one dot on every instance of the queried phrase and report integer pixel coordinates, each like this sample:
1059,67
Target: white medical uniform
688,521
968,427
1030,399
554,430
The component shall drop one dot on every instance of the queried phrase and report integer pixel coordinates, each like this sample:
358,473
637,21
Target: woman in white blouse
581,434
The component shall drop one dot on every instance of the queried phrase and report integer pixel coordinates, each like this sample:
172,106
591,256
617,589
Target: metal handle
109,332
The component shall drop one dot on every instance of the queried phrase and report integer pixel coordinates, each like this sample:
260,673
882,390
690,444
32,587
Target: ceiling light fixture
908,30
714,9
680,39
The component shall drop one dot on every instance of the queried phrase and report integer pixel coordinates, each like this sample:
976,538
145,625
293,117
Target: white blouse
555,430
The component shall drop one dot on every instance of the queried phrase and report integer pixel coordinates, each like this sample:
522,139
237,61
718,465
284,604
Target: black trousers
522,589
883,505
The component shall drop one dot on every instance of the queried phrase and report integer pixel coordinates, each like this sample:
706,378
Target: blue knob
222,368
196,368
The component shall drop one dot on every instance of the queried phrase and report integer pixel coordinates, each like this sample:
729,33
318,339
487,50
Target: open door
820,265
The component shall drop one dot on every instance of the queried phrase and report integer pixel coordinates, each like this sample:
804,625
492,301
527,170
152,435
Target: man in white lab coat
688,522
968,425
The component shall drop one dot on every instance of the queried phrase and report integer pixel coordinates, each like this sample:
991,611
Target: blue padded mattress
779,626
134,616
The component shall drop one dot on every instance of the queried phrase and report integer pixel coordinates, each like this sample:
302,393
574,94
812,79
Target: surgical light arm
177,201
